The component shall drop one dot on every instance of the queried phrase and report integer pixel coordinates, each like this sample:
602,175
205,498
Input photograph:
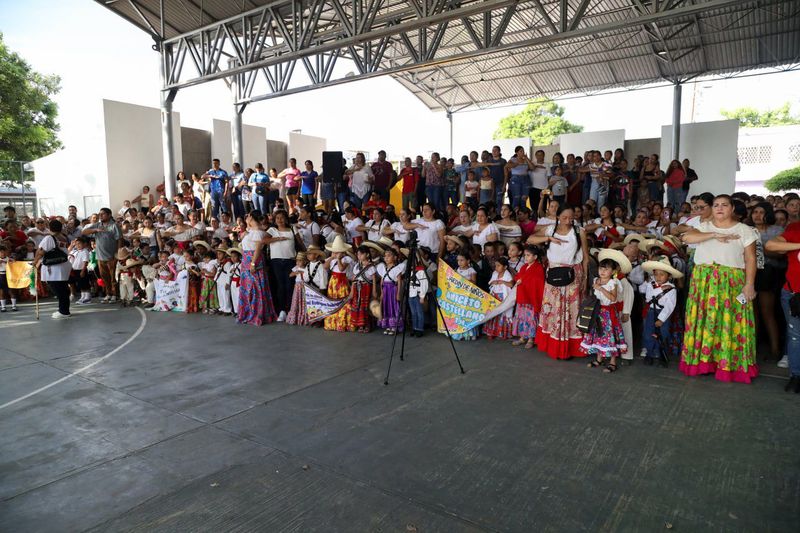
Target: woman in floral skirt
720,335
255,300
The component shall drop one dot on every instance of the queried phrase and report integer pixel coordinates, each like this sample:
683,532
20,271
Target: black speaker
332,168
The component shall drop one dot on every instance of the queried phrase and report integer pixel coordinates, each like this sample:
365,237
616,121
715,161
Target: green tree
542,120
749,117
785,180
28,127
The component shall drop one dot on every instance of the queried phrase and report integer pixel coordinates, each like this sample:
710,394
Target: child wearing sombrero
339,264
660,301
607,339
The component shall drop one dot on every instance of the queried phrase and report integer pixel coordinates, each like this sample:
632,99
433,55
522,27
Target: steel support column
237,146
168,143
450,119
676,120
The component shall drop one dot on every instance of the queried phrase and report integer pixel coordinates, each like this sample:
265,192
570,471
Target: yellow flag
18,274
463,304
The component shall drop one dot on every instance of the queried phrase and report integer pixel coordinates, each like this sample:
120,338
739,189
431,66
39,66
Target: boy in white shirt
79,277
660,298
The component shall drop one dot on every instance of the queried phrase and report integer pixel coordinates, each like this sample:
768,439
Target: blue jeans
435,194
417,314
675,197
499,195
654,190
341,197
792,334
517,188
217,203
649,342
486,195
260,203
598,193
358,201
587,188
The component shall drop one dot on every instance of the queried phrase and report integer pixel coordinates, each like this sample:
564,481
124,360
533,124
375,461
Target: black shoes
794,382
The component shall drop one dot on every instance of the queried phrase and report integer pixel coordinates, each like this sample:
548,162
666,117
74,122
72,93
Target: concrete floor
202,425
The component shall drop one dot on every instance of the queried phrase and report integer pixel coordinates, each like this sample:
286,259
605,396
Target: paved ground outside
199,424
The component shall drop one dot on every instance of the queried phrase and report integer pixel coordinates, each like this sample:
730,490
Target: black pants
61,290
534,195
284,284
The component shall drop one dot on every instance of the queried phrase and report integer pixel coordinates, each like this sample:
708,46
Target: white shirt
307,230
539,176
346,260
54,272
418,286
731,253
612,284
368,273
281,249
352,232
317,275
667,302
500,291
359,185
78,258
301,273
429,236
375,229
566,253
393,274
481,236
400,233
252,239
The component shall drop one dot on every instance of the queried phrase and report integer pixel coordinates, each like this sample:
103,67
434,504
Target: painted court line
85,368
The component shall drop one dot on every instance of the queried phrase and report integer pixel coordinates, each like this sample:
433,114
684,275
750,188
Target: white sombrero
618,257
662,264
338,245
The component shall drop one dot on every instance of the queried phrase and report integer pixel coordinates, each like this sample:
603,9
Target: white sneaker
71,297
104,300
113,300
282,316
784,362
58,316
644,353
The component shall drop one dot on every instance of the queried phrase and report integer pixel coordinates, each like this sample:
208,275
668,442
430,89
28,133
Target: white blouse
731,253
566,253
375,229
281,249
481,236
400,233
393,274
252,239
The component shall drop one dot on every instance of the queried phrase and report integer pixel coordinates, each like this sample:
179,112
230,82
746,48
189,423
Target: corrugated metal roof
749,35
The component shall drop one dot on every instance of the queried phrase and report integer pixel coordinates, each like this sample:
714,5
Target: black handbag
563,275
56,256
589,315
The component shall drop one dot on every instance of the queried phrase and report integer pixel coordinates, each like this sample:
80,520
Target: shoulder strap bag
563,275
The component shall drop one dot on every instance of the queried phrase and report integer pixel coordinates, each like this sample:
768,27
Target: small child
316,273
389,276
297,312
339,265
472,189
147,282
5,291
417,293
661,298
223,280
125,275
194,281
515,259
486,186
363,275
529,282
79,276
500,287
466,271
606,340
209,303
234,271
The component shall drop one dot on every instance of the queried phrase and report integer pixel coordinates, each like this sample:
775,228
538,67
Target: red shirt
410,176
383,175
531,290
16,239
792,234
527,229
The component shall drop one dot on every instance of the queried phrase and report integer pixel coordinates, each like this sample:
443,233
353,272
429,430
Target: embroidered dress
529,300
607,339
297,312
360,317
192,291
720,335
558,334
338,287
208,295
390,305
501,325
255,300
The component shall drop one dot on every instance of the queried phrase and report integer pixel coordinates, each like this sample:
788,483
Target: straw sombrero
375,309
639,237
618,257
338,245
300,256
222,248
374,247
314,249
203,244
385,241
673,241
234,249
649,244
662,264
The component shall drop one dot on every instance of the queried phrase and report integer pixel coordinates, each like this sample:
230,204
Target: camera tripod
413,260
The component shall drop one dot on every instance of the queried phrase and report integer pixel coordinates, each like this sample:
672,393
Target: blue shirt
309,182
497,171
256,178
218,180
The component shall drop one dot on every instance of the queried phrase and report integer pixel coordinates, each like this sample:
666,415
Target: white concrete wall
302,147
77,175
776,149
578,143
254,139
221,144
134,151
711,148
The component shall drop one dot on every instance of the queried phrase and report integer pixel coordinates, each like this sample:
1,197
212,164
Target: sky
99,55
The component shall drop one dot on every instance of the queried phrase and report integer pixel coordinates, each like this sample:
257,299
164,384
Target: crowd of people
676,273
